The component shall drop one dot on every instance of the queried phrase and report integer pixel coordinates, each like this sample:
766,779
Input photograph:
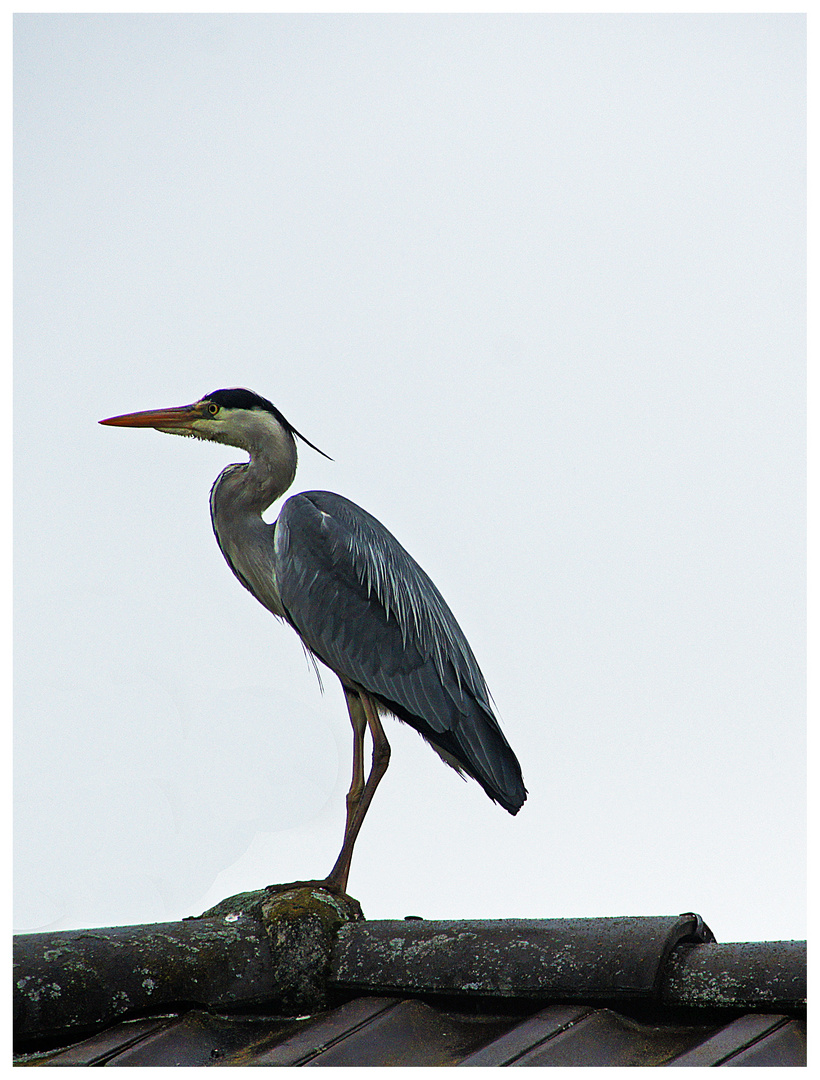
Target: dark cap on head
240,398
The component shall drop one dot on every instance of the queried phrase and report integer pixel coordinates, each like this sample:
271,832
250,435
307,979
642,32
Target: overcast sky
536,283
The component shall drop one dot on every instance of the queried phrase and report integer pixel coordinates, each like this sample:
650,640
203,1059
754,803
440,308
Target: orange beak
173,420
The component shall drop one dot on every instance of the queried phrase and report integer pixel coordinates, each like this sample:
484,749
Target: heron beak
175,421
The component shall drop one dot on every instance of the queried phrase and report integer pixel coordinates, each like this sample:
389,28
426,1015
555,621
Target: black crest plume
239,398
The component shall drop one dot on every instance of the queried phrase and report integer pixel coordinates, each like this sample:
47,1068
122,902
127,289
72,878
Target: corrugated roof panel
389,1032
200,1038
99,1048
315,1035
730,1040
603,1037
784,1045
525,1035
412,1033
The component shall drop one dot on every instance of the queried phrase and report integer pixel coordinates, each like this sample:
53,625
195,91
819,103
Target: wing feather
363,605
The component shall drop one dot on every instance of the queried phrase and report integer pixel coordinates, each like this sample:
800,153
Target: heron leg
362,711
358,718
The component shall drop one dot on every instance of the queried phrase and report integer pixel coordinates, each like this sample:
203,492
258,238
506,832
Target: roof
299,978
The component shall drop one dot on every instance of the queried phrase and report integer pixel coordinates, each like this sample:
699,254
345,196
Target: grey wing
369,612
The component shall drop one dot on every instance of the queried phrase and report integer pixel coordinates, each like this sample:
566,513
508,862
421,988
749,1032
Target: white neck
243,492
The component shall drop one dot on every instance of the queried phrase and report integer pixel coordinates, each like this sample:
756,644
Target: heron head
237,417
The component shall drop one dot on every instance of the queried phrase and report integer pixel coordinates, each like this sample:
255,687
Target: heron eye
213,409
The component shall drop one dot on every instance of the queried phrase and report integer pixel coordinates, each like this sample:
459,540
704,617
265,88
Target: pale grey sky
536,283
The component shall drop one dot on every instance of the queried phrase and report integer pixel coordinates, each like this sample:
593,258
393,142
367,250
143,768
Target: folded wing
365,608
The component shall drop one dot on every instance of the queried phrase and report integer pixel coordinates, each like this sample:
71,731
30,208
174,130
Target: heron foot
350,903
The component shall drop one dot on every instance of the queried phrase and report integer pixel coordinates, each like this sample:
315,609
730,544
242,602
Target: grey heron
356,598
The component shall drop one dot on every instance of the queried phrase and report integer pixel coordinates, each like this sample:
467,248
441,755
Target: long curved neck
238,498
249,489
